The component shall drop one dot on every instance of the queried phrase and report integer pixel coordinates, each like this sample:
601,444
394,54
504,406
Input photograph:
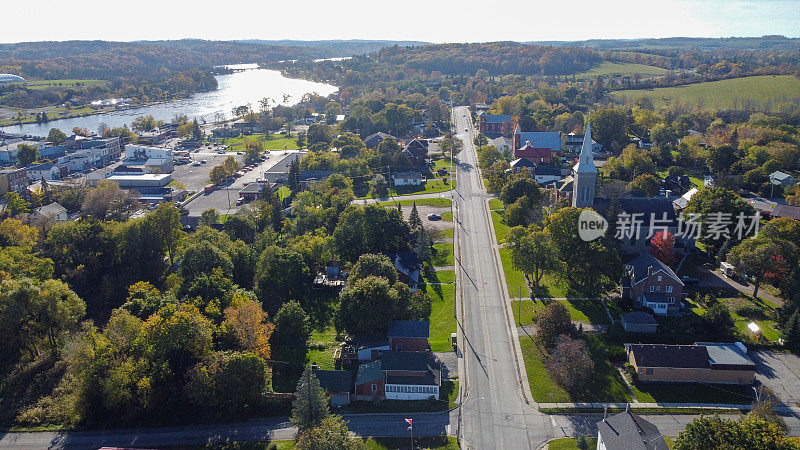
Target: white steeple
584,174
586,158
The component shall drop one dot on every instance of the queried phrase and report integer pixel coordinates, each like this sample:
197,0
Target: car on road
434,217
196,163
240,153
203,161
690,281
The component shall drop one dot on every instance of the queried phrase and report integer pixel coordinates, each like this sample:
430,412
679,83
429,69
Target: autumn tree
218,175
757,257
107,201
647,184
553,321
248,323
662,247
569,364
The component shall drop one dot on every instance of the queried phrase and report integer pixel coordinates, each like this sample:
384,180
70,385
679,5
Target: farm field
724,94
613,68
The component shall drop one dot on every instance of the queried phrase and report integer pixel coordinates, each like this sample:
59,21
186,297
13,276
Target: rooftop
409,328
411,361
629,431
638,317
369,371
675,356
335,380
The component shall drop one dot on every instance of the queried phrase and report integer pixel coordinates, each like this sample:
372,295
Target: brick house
652,284
408,376
535,154
370,381
408,335
15,180
493,125
703,362
416,151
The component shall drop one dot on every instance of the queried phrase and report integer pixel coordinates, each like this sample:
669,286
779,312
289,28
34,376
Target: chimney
627,408
649,270
605,413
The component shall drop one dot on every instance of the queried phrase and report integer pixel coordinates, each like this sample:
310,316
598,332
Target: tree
227,382
107,201
488,156
143,300
240,228
293,178
165,220
521,185
720,159
197,132
35,313
145,123
520,213
289,340
553,321
609,129
27,154
663,136
14,232
230,164
378,186
373,265
662,247
218,175
647,184
310,405
570,364
209,217
414,221
784,228
713,432
764,408
480,140
56,136
582,443
791,331
202,258
281,274
15,204
757,257
319,132
710,205
367,306
330,434
532,252
248,323
718,321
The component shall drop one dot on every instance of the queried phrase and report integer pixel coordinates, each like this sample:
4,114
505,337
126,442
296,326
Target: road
494,412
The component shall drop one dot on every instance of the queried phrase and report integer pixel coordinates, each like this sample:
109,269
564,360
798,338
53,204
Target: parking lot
781,373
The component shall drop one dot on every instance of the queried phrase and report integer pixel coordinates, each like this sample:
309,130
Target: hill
608,68
736,93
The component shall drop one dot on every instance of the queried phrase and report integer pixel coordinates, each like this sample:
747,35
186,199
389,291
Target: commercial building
133,181
13,180
149,159
703,362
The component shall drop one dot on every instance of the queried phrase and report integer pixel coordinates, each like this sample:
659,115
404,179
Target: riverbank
59,112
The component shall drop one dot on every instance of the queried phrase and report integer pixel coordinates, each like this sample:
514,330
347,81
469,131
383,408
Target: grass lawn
447,216
442,163
499,225
443,254
439,202
724,94
323,344
569,443
515,280
607,68
270,142
586,311
605,384
443,320
495,204
432,442
59,84
762,311
692,393
431,186
447,233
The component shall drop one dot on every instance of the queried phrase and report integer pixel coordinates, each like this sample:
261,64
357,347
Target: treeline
498,58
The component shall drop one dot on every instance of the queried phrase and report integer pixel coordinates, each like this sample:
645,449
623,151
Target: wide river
239,88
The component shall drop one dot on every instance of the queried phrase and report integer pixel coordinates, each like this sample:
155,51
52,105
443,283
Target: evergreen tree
294,176
791,331
582,443
422,246
310,405
413,219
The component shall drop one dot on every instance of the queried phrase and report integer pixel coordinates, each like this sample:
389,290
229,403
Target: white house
407,179
48,215
44,171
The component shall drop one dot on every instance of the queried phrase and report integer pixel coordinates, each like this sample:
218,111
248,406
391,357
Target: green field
515,280
569,443
443,320
734,93
443,254
270,142
438,202
58,84
608,68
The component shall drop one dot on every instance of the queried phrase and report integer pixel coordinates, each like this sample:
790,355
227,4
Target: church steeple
584,174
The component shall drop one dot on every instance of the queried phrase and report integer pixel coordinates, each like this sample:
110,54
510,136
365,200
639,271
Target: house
43,171
550,140
333,269
628,431
407,179
48,215
538,155
370,381
13,180
416,151
786,211
374,139
502,143
150,159
639,322
408,335
702,362
779,178
408,376
250,192
337,384
522,163
652,284
677,184
407,266
492,125
225,132
574,142
681,202
370,348
708,181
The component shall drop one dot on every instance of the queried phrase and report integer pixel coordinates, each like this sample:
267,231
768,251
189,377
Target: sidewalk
600,405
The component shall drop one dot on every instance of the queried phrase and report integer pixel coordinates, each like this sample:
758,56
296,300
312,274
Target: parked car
203,161
434,216
690,281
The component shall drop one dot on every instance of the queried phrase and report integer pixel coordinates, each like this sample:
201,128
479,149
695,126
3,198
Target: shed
639,322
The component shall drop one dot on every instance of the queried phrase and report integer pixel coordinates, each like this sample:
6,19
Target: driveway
781,373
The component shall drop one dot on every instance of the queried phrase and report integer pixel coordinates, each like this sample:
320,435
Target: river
249,85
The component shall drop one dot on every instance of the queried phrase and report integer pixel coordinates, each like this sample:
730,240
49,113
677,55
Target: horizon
416,20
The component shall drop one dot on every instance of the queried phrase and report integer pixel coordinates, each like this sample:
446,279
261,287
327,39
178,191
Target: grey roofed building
683,200
429,379
638,266
404,361
782,178
519,163
648,207
407,265
727,355
335,380
374,139
639,322
409,328
786,211
628,431
369,371
674,356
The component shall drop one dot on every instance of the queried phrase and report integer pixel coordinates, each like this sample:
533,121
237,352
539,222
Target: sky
421,20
